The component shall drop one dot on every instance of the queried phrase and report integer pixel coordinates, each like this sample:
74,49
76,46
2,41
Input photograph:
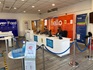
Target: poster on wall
27,24
81,27
9,25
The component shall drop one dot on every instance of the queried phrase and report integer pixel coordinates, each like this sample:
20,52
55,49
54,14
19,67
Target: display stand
21,57
29,35
30,56
73,63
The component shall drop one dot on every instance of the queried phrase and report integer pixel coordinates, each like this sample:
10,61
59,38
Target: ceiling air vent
54,9
51,10
7,7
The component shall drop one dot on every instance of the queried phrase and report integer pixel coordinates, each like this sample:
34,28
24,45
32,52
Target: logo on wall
57,22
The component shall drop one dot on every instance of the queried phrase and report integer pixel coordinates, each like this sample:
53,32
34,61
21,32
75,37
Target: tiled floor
52,62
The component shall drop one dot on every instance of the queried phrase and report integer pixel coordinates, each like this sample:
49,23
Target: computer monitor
91,17
50,34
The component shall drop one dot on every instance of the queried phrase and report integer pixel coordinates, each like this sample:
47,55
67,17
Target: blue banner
9,25
81,27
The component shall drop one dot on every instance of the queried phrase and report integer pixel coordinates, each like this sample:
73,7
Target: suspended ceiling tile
43,5
32,0
11,1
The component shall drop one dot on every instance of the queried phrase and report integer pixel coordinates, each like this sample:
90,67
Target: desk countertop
10,56
7,37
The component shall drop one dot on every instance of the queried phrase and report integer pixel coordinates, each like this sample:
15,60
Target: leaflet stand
30,56
29,35
90,57
73,63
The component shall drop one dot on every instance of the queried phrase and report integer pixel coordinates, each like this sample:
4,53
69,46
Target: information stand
29,35
30,56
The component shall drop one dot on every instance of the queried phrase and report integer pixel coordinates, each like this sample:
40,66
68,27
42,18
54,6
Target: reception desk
54,44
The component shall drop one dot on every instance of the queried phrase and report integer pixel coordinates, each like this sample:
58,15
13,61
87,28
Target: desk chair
65,33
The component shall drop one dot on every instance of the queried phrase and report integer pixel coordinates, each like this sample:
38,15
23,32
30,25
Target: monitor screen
91,17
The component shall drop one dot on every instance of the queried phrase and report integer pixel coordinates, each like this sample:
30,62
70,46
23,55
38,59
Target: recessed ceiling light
38,10
0,2
53,4
33,6
15,8
22,0
24,11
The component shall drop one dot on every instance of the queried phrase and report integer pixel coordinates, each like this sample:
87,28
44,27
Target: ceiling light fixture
53,4
15,8
33,6
38,10
0,2
24,11
22,0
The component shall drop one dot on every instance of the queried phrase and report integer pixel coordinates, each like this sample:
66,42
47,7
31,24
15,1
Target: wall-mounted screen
91,17
49,43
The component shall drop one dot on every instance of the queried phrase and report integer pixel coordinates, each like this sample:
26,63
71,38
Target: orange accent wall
67,24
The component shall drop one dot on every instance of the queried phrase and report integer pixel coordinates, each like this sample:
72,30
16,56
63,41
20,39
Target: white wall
21,18
78,8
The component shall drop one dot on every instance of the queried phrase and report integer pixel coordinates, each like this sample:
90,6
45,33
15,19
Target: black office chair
65,33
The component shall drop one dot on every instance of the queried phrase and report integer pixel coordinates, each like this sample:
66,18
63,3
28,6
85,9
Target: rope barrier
38,47
68,48
84,48
61,52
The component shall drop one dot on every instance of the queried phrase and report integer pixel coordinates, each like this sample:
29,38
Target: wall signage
9,25
81,27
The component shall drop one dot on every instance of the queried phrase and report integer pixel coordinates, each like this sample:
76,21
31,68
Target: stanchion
73,63
43,57
90,57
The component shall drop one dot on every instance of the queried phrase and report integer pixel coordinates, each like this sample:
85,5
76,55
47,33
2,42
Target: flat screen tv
91,17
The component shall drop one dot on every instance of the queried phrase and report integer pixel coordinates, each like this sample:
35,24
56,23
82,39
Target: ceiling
40,6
